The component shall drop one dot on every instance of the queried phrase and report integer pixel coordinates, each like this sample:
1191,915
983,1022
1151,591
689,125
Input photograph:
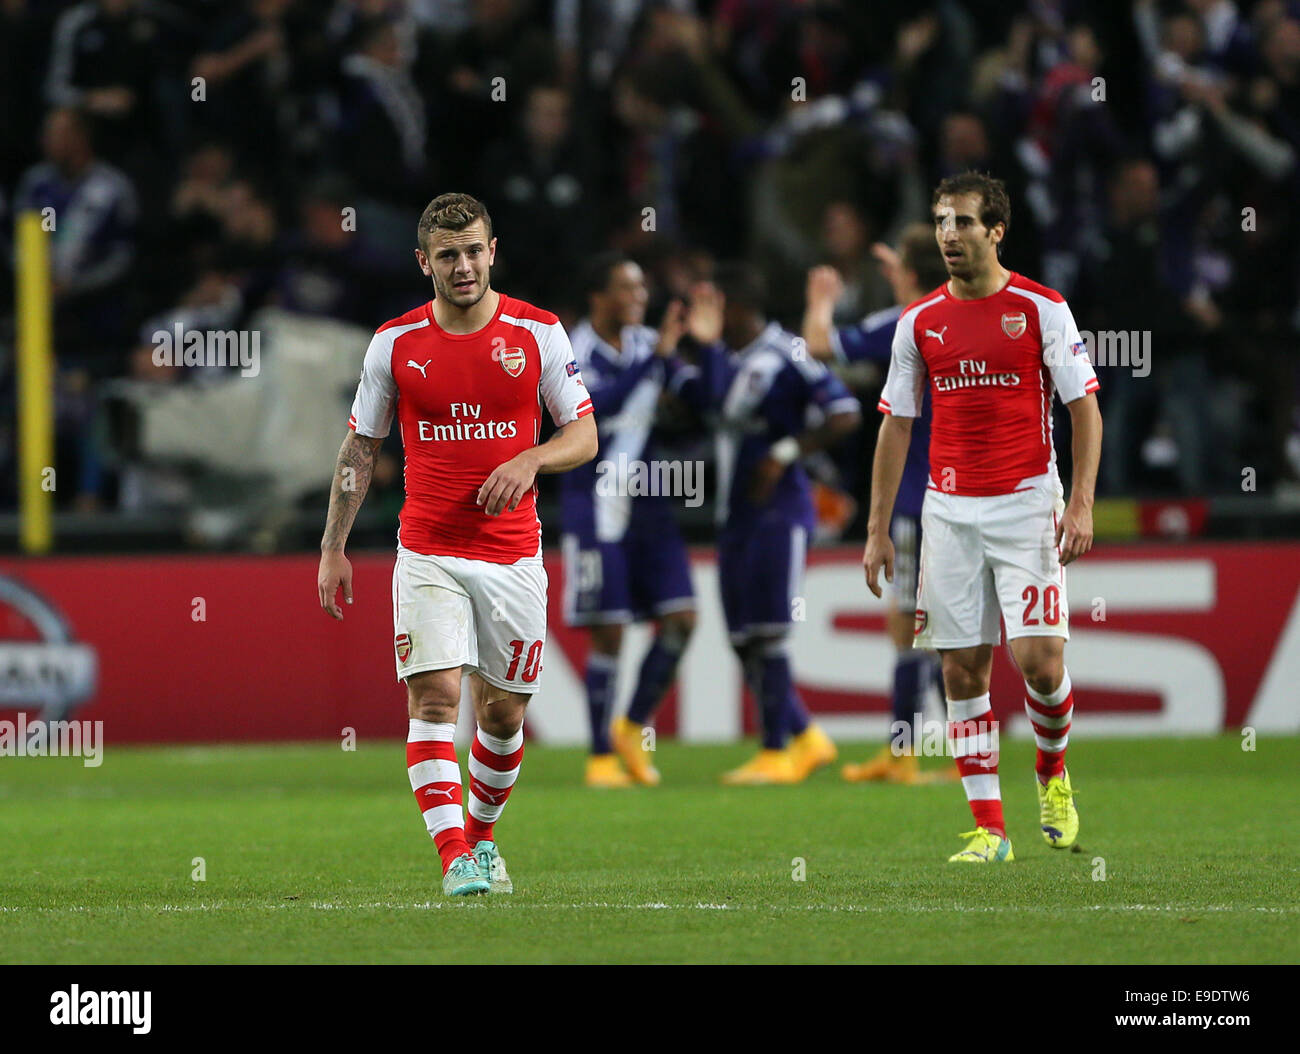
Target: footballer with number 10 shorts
991,347
466,375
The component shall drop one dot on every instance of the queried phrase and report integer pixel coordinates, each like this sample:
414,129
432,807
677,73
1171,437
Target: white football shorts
453,611
989,559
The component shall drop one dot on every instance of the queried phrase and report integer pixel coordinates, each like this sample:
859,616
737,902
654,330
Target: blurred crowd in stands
206,159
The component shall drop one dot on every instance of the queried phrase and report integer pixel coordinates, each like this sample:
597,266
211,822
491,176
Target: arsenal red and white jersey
465,404
991,365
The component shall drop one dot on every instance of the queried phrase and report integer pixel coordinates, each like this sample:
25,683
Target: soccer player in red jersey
466,375
991,346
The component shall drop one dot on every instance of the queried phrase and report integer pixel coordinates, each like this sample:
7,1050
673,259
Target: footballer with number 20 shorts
466,374
991,347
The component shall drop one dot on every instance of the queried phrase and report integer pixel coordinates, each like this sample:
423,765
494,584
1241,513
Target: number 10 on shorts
532,664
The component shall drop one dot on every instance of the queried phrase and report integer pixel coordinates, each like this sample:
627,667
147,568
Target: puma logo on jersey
435,790
937,336
416,366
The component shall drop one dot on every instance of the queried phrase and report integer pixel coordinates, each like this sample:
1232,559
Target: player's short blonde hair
451,212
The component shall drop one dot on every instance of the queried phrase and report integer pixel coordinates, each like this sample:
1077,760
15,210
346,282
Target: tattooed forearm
352,474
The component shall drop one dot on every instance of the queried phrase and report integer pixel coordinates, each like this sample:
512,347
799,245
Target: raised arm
823,288
707,390
352,473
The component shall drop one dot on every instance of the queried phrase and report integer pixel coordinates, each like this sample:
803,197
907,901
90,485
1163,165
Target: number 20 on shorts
1051,606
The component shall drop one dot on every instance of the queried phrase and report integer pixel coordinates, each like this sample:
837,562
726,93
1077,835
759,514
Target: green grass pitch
316,855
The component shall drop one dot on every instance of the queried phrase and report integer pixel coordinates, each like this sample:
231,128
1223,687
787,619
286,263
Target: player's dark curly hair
598,269
451,212
995,205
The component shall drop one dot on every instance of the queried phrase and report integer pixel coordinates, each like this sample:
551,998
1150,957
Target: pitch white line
502,903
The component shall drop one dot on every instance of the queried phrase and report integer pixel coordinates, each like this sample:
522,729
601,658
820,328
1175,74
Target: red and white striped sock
973,739
493,768
1051,715
435,779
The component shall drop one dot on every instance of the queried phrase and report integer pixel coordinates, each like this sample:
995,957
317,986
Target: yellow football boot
628,742
1057,816
885,766
810,750
984,847
605,773
767,767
